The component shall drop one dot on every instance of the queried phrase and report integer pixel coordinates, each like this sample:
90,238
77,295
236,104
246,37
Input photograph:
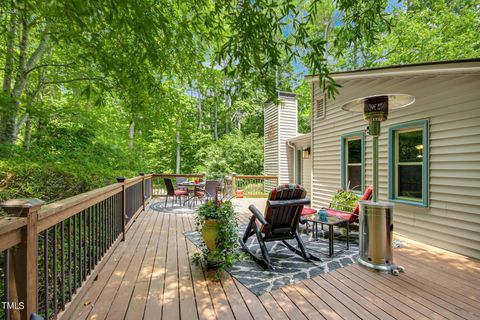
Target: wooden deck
150,276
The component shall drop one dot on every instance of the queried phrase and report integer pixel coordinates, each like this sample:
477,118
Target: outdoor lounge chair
353,215
280,223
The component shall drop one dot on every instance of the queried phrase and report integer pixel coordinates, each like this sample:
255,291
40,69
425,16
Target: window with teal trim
353,173
408,162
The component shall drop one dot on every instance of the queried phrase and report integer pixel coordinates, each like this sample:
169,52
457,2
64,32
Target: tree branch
73,80
68,65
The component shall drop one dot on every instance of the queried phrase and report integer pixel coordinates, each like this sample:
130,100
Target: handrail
55,212
65,242
11,231
177,175
257,177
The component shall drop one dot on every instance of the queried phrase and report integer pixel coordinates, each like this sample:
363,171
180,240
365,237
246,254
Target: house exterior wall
302,143
451,103
288,125
280,124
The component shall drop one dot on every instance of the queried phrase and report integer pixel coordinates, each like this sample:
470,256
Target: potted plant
217,223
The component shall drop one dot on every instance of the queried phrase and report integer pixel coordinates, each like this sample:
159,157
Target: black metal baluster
70,259
62,265
105,224
97,232
6,269
90,241
110,226
80,249
75,253
84,245
45,265
95,247
54,280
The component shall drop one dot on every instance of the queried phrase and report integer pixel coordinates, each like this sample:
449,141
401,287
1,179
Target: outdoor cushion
181,192
308,211
200,193
366,196
347,215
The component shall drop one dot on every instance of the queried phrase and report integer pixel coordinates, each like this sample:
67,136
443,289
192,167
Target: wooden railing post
143,189
23,262
124,204
234,185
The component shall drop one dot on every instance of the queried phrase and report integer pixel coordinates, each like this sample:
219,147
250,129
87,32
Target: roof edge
400,66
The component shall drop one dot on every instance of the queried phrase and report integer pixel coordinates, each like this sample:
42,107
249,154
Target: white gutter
387,73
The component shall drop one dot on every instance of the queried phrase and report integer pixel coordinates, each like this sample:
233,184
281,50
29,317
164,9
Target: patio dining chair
172,192
280,223
209,192
180,180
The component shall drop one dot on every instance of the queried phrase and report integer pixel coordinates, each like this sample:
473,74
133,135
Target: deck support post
234,185
23,260
143,189
124,204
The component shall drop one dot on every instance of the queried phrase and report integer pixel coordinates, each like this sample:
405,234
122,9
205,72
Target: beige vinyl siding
287,129
301,143
451,102
270,162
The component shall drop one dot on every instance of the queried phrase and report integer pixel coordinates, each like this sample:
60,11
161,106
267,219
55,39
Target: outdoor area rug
176,209
290,267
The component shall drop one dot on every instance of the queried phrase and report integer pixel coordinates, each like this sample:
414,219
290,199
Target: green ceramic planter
210,232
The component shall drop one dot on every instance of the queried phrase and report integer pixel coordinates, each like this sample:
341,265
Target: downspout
294,161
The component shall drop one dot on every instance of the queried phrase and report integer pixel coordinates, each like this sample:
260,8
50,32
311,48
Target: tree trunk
200,113
10,126
131,135
178,160
28,134
215,121
7,77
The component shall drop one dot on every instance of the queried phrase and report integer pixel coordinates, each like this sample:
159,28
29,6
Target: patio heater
376,218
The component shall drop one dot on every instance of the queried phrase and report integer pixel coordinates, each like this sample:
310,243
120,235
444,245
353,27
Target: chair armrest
288,203
258,214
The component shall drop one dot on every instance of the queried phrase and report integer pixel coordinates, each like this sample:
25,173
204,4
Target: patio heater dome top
377,107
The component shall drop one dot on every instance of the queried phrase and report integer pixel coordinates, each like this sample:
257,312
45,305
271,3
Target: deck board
151,276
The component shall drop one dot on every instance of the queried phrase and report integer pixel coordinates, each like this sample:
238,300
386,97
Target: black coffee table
329,221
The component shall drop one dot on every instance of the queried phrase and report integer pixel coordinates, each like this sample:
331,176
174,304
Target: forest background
93,89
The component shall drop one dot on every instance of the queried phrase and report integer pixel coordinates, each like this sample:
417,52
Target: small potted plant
216,220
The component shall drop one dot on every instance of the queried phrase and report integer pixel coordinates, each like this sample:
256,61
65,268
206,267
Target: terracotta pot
210,232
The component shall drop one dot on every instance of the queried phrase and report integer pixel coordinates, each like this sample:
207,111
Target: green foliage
236,152
226,252
344,200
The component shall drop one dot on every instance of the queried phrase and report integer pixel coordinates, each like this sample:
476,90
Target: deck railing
253,186
159,188
49,254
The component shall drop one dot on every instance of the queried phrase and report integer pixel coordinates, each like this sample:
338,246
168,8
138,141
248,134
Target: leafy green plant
344,200
225,254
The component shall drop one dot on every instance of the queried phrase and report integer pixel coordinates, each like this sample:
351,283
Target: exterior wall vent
320,109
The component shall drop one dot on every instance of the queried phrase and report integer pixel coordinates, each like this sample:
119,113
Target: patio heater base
376,235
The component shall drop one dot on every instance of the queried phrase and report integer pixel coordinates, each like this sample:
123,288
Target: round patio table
191,187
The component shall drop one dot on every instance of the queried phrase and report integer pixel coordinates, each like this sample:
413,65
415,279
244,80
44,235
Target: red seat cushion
332,212
200,193
308,211
181,192
366,196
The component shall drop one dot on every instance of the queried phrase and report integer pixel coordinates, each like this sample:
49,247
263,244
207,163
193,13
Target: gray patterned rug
290,268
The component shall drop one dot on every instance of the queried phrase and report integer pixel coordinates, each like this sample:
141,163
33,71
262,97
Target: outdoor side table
329,221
